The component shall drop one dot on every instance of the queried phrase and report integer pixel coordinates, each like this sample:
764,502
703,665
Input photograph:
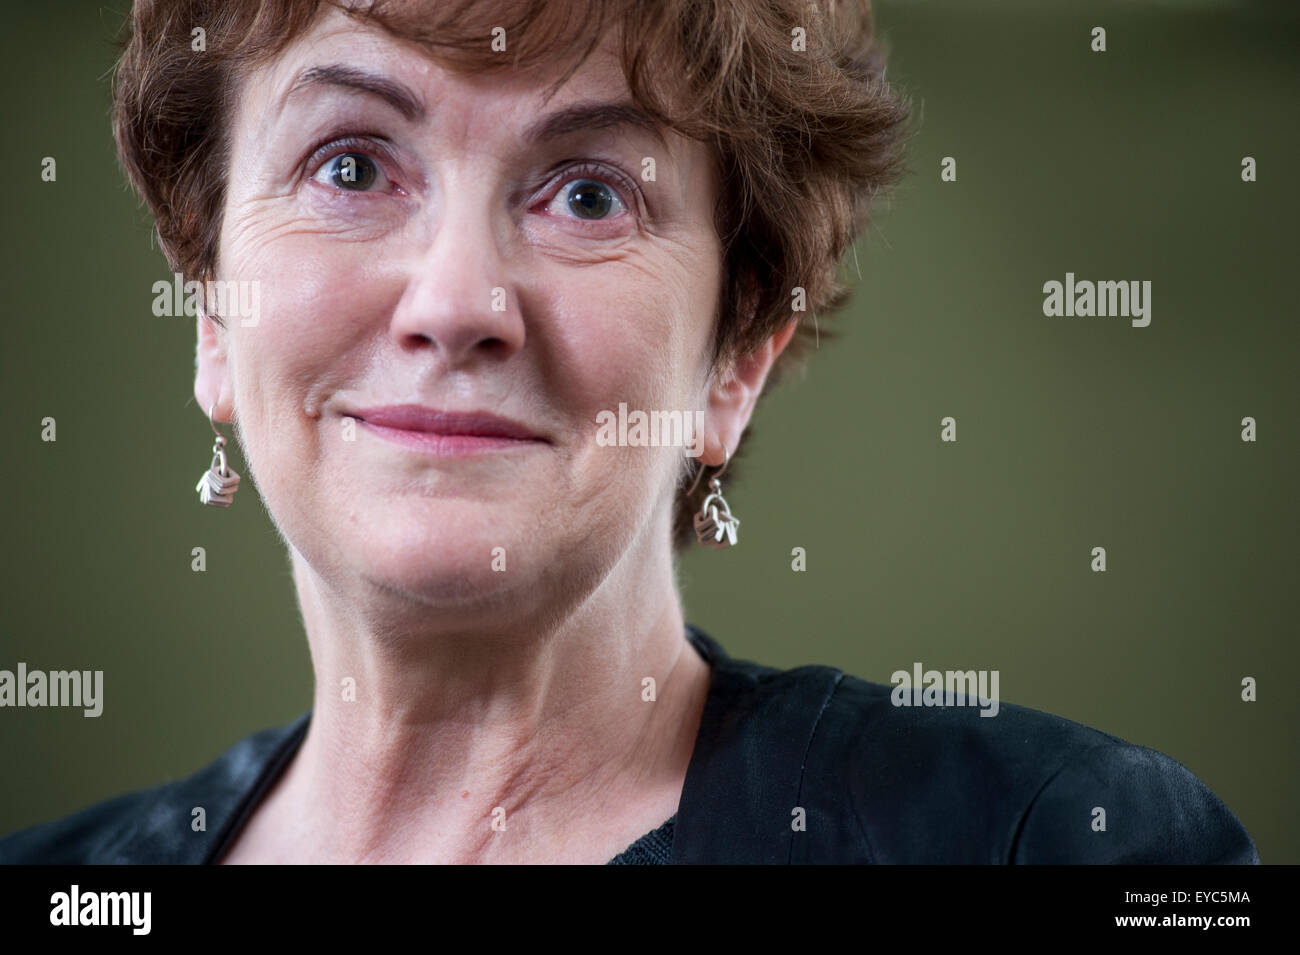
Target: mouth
446,433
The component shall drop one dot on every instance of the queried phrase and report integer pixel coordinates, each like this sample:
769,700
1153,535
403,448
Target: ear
732,398
211,371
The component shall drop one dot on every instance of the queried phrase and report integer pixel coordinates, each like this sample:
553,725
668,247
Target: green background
1072,432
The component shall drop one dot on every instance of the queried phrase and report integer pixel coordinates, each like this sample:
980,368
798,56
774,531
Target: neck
495,735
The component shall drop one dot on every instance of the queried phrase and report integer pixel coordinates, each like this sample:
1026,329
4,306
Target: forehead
339,40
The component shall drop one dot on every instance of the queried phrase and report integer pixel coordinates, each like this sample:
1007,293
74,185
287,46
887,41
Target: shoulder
1009,784
157,825
870,780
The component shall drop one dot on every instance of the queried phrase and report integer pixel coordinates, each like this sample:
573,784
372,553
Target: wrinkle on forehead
338,38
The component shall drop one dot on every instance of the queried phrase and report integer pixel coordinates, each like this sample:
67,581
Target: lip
446,433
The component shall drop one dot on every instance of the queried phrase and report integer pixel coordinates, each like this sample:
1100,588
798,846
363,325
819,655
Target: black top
809,765
654,848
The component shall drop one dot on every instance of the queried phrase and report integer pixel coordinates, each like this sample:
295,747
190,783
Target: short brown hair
790,95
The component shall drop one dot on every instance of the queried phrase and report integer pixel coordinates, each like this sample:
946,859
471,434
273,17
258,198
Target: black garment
654,848
876,783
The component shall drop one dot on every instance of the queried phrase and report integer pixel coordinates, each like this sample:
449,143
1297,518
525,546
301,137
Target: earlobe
732,399
211,370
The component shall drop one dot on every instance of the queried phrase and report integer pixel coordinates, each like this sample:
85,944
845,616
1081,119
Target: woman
476,236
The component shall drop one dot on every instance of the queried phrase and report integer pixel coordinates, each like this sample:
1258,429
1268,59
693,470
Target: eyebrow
581,117
575,118
402,98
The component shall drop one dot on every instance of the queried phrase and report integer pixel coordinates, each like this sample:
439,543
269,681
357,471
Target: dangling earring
219,483
714,524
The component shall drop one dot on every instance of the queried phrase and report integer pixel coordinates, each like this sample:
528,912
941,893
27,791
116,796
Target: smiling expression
456,276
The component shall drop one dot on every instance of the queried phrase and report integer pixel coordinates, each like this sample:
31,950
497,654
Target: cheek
623,333
319,307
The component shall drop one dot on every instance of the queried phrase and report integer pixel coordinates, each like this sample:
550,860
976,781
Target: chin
457,564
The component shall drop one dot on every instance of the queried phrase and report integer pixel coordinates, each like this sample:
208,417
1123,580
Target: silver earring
715,525
219,483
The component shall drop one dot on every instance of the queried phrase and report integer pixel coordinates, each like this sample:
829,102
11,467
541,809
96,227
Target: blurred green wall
1072,432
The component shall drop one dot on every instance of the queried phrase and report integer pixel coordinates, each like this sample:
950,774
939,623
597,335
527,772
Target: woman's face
421,238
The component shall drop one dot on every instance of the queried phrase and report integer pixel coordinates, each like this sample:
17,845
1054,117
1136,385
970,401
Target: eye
590,199
353,172
593,192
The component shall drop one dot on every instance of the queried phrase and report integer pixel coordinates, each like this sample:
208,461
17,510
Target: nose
459,301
